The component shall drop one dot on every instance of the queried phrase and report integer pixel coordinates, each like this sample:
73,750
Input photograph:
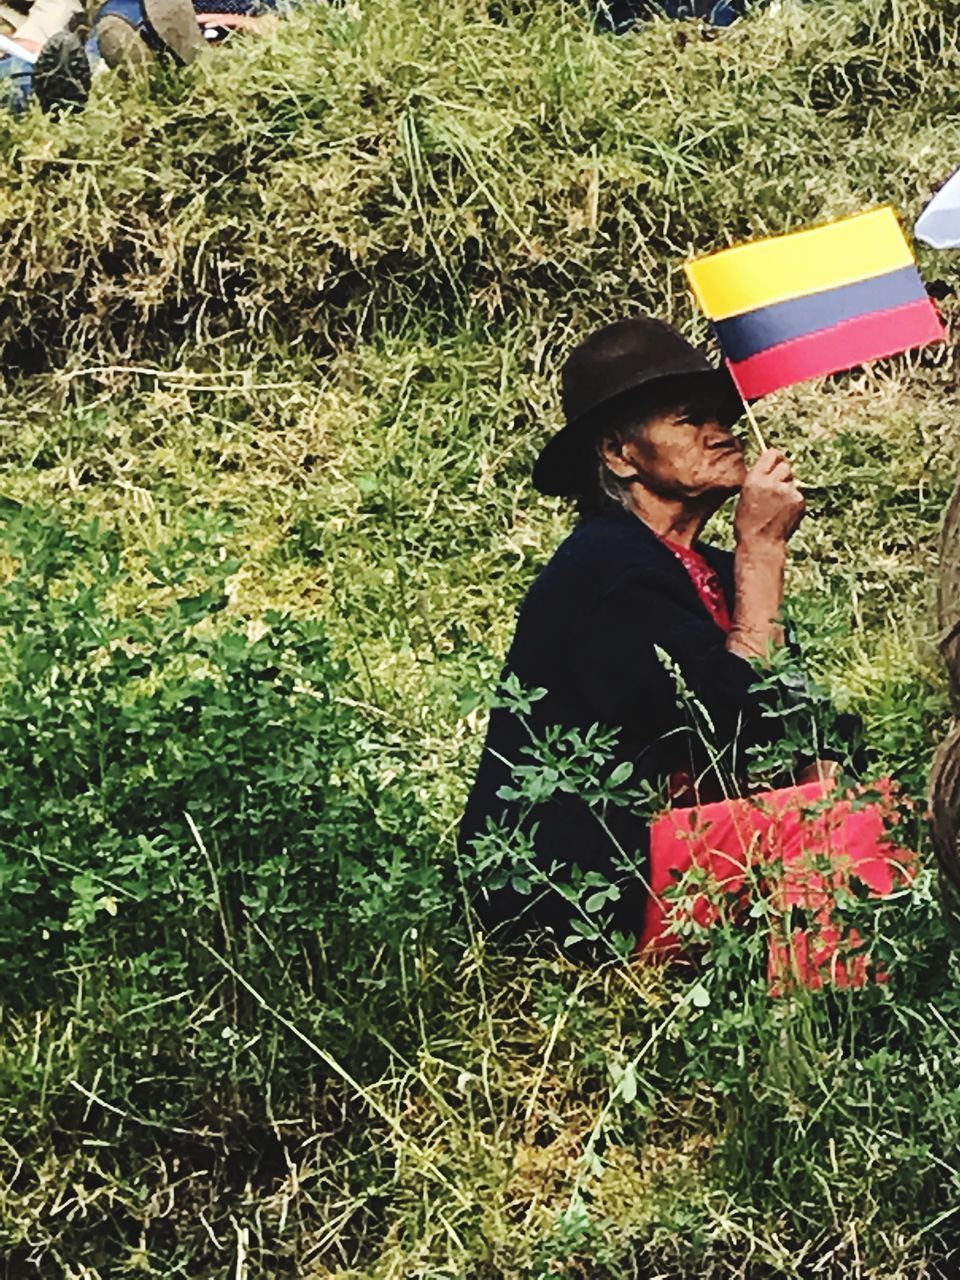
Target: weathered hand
771,505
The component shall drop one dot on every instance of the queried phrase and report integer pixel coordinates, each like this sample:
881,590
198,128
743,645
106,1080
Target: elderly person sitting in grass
631,600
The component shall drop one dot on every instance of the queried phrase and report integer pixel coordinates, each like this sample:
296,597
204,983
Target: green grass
313,295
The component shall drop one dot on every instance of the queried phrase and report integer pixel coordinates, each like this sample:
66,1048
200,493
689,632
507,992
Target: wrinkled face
682,452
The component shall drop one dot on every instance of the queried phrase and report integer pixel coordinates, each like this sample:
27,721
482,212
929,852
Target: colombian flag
814,302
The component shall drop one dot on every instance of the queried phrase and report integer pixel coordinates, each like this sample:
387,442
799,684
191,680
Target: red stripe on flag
853,342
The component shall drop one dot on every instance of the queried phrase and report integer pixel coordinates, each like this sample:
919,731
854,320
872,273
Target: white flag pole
17,50
756,427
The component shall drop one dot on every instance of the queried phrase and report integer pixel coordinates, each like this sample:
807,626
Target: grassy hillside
281,337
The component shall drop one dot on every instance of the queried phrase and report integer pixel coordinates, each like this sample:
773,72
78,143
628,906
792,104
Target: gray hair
609,484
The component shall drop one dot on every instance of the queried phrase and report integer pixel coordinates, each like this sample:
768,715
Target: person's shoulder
613,533
596,552
586,563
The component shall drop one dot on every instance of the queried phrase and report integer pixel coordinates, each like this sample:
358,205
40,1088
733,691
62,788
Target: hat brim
567,463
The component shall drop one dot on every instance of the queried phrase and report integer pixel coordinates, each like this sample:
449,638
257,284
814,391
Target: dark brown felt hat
627,366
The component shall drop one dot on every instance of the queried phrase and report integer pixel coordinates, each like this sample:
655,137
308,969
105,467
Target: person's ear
611,449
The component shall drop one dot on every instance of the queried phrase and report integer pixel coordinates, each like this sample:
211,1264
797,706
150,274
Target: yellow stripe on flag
803,262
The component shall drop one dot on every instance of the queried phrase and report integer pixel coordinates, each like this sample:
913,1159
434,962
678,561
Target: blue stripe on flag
755,331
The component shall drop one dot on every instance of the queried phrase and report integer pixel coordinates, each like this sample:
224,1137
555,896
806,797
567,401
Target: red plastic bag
807,847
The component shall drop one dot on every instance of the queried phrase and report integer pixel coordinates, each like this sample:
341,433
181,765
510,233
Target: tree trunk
945,773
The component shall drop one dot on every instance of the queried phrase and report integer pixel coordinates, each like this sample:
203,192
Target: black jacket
588,632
